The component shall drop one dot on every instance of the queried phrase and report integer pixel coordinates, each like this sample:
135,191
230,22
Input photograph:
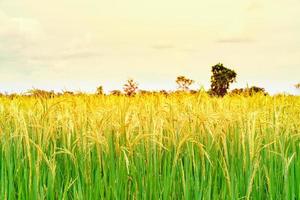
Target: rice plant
176,146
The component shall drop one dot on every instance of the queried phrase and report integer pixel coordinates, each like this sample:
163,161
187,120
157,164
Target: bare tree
184,83
130,88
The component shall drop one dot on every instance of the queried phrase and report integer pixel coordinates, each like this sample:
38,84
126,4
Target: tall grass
150,147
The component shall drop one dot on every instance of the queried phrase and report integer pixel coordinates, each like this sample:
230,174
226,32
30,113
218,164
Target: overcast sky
80,44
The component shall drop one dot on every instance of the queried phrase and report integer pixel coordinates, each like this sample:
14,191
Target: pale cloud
163,47
235,40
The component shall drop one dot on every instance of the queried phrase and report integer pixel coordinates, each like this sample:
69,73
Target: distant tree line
249,91
221,78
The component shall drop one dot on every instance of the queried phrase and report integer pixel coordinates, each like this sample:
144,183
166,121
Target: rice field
181,146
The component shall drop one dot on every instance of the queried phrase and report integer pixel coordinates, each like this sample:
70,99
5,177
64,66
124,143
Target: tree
248,91
254,90
116,92
68,93
38,93
194,91
163,92
100,90
130,88
221,79
297,86
184,83
237,91
145,92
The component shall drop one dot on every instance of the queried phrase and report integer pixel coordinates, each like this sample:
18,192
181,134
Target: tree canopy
221,79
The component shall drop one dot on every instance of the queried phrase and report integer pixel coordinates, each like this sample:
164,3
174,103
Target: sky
81,44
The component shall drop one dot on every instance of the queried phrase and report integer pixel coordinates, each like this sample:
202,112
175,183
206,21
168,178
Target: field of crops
180,146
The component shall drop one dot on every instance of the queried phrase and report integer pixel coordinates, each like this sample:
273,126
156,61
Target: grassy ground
150,147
